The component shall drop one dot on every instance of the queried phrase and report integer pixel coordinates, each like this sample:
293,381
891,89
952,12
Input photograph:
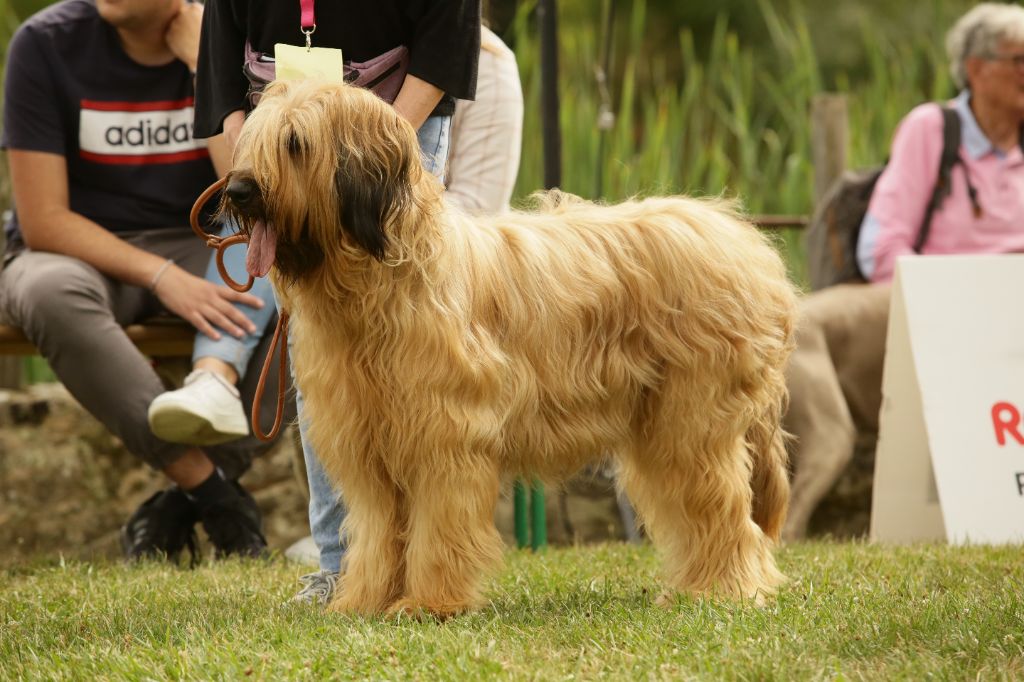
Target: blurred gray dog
835,389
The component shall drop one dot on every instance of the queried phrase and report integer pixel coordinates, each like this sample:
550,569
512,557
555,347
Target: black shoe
162,527
233,525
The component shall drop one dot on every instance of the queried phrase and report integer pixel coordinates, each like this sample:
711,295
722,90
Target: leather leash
280,332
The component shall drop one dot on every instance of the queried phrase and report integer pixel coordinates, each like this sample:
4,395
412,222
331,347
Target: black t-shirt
124,129
443,37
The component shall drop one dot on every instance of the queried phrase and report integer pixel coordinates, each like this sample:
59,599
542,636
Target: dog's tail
769,477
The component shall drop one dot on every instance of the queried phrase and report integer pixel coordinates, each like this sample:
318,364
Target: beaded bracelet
160,273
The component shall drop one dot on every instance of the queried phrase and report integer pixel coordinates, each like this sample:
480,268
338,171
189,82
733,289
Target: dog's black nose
241,191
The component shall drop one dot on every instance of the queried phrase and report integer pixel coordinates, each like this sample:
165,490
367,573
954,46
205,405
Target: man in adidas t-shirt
97,123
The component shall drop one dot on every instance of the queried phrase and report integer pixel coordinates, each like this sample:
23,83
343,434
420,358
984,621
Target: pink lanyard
307,22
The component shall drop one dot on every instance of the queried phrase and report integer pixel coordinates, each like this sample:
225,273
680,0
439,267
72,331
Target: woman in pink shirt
986,51
835,375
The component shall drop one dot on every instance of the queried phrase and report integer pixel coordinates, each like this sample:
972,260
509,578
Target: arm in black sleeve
31,120
220,84
446,46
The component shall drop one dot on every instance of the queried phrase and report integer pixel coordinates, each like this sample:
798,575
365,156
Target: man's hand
182,34
205,304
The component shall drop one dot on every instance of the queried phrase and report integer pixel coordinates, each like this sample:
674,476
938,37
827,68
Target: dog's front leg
373,574
452,538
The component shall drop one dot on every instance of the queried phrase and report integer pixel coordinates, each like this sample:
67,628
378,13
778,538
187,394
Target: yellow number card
293,62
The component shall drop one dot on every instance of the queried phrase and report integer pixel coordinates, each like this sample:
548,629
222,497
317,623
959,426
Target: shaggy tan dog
436,352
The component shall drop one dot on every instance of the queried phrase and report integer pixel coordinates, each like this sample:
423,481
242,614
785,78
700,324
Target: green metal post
520,513
539,536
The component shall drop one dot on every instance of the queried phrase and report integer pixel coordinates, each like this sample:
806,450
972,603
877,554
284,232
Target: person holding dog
97,122
486,136
835,373
443,40
483,163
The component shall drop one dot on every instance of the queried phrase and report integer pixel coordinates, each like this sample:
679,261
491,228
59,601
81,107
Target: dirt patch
845,513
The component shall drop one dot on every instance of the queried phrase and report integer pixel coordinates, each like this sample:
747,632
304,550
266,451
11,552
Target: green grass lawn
850,611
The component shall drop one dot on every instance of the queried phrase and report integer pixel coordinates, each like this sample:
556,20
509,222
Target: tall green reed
733,121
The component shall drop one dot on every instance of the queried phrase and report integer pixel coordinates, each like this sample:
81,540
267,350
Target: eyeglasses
1017,60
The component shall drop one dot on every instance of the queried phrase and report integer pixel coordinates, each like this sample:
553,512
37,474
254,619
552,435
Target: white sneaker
304,552
207,410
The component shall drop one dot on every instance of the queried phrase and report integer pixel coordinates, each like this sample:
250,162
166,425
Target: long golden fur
437,352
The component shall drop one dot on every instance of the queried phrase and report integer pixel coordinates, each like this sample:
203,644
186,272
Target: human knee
53,289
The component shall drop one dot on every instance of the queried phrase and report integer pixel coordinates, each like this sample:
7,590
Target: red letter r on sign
1005,419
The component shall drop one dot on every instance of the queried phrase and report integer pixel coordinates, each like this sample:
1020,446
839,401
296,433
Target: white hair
979,33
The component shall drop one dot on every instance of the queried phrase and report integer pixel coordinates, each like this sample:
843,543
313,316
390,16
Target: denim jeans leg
236,352
434,137
326,509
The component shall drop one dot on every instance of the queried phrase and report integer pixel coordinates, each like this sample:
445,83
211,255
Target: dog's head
321,170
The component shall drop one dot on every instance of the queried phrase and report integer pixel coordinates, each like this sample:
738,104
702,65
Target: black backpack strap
944,181
950,149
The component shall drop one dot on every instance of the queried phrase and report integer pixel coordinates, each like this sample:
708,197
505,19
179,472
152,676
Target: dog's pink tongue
262,247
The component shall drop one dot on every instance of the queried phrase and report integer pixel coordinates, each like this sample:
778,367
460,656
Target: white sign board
953,387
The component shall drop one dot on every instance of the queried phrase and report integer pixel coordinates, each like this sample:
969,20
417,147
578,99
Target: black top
443,37
124,129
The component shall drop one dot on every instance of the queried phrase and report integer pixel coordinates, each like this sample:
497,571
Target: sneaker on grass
317,588
162,527
207,410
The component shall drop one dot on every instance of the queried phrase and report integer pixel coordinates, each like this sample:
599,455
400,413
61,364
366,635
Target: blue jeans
326,510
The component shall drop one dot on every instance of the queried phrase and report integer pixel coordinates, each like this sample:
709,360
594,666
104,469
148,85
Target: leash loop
280,332
215,242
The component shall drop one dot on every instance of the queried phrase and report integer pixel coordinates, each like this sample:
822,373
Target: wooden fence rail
780,222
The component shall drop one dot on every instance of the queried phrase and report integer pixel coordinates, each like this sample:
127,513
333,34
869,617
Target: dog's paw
407,608
339,606
670,599
667,599
347,605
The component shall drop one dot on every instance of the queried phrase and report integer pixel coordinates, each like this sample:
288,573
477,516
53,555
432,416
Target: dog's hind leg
373,570
452,539
691,484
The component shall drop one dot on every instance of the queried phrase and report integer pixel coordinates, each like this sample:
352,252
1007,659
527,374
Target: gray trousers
74,315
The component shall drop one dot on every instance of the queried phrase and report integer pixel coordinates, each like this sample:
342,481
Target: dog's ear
366,205
377,160
369,202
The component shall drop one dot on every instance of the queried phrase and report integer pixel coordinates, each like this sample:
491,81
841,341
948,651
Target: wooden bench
159,338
